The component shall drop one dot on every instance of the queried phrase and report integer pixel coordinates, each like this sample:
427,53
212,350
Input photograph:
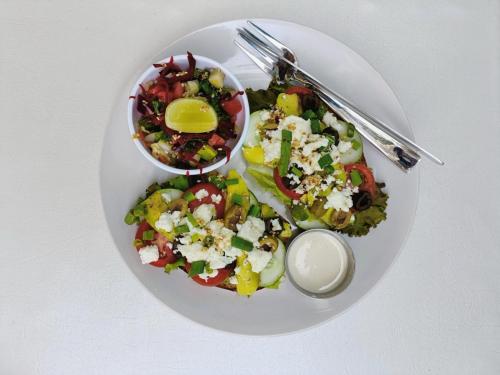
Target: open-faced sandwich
213,228
312,160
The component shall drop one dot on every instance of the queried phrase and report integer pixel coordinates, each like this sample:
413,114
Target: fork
279,61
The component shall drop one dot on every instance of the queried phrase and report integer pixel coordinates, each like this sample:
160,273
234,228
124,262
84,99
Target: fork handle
401,155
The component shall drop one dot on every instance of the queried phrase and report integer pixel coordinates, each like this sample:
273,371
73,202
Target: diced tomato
279,183
159,91
232,106
222,275
177,90
301,90
216,140
368,184
164,246
211,190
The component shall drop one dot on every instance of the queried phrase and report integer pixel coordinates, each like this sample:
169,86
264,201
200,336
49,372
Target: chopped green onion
350,130
325,160
207,152
237,199
139,210
184,228
217,181
197,267
180,182
173,266
296,171
315,126
191,219
321,111
189,196
196,237
148,235
241,243
329,169
232,181
254,210
286,151
129,218
309,114
356,178
356,144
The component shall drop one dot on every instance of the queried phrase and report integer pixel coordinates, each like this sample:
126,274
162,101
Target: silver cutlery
279,61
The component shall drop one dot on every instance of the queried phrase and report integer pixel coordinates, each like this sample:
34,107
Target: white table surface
68,303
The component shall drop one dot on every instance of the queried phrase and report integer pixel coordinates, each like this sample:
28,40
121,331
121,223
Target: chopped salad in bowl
188,114
213,228
312,161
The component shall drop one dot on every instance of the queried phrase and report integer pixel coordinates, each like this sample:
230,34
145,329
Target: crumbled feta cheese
167,197
265,115
252,229
192,252
216,259
272,149
294,179
329,119
233,280
259,259
237,270
149,254
313,146
204,275
168,220
204,213
276,226
344,146
200,194
216,198
339,200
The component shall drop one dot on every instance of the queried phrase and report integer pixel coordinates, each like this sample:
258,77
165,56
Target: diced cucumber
275,268
311,223
253,138
353,155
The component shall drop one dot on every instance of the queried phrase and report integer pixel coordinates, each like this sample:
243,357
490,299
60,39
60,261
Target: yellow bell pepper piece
254,154
155,205
248,281
238,188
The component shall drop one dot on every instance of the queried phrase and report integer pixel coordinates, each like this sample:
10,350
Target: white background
68,303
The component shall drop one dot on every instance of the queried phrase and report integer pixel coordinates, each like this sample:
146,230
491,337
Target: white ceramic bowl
202,62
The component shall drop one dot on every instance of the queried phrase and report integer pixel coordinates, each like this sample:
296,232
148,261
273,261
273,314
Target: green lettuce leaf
266,181
369,218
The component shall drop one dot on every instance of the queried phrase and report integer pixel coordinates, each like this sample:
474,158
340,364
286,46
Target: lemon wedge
190,115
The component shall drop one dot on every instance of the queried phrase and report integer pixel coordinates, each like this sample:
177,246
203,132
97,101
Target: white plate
125,174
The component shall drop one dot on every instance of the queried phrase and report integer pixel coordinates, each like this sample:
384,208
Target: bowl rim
179,171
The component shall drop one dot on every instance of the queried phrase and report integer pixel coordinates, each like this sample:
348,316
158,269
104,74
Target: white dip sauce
317,261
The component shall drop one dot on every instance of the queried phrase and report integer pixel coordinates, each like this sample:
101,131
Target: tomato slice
279,183
232,106
301,90
177,90
222,275
368,184
164,247
211,190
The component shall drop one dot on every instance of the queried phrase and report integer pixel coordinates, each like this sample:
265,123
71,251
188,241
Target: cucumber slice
253,138
352,155
275,268
311,223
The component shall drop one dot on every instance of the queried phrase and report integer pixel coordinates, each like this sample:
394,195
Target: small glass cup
350,267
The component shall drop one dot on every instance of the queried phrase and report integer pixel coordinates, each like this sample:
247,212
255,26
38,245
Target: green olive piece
178,205
340,219
233,216
268,243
